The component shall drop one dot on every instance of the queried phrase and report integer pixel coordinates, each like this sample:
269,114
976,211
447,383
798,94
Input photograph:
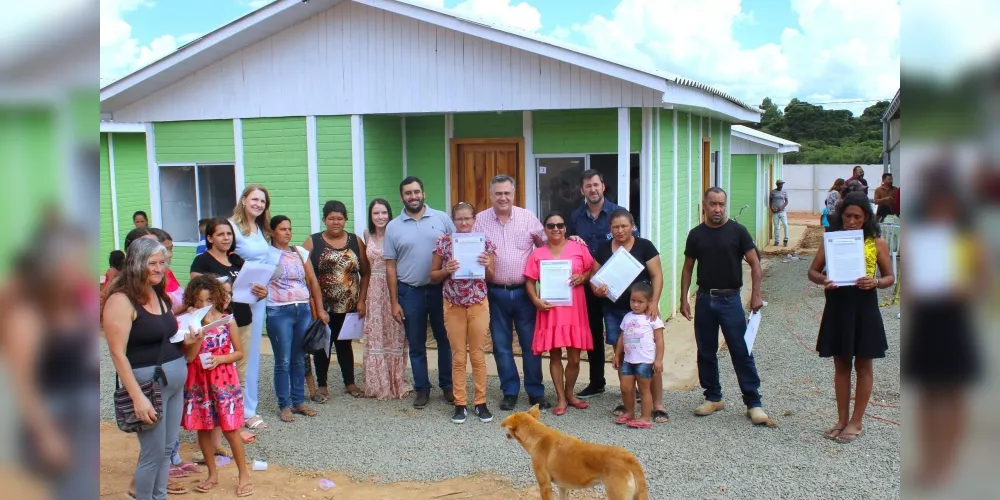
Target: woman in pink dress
560,326
385,355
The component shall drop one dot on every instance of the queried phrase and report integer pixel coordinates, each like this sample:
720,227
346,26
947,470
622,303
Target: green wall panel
384,159
425,146
131,179
274,155
744,191
485,125
206,141
634,129
666,209
575,131
335,171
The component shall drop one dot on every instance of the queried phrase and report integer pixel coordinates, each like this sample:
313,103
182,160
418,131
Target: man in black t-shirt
720,245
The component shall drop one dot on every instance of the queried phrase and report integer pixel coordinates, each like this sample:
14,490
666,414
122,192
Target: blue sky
818,50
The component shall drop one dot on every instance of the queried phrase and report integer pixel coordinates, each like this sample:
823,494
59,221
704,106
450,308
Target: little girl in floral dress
212,394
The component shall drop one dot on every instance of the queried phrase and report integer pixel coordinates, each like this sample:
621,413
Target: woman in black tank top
137,321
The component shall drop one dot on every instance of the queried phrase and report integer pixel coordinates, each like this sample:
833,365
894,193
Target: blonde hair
262,220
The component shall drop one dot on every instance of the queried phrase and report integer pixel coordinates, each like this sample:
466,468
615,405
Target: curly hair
216,292
856,199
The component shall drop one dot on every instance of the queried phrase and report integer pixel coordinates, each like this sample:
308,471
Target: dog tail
641,493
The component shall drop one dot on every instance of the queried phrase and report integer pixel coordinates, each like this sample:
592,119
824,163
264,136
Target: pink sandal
636,423
580,405
622,419
559,411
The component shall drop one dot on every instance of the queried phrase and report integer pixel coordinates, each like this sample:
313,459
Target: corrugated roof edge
892,109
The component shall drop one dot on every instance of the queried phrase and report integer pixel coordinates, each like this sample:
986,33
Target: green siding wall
635,129
744,192
683,200
107,223
425,146
575,131
727,164
666,209
484,125
274,155
180,263
384,159
195,141
131,179
334,169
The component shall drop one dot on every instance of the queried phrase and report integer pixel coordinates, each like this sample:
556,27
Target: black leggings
345,354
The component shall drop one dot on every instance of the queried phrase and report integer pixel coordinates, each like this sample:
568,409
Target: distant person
140,219
779,202
115,261
885,198
202,246
719,246
832,199
858,174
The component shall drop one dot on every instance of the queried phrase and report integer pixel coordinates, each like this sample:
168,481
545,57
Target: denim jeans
613,324
286,325
417,304
513,308
727,312
780,220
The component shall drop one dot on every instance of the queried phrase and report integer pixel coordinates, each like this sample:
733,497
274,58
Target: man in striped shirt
515,232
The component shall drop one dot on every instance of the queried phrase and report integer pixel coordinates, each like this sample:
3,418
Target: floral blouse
461,292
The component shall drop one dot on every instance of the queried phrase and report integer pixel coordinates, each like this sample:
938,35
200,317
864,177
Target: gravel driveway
721,456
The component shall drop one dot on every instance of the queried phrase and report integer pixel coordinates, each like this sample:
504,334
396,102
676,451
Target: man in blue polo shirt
592,224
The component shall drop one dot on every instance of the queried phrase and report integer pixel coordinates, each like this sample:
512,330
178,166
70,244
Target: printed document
466,249
618,273
252,272
752,326
845,256
554,282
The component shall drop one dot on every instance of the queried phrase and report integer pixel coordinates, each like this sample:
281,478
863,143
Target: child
641,343
466,314
202,245
212,394
115,261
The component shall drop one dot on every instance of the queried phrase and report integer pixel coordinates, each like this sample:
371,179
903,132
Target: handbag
317,338
125,415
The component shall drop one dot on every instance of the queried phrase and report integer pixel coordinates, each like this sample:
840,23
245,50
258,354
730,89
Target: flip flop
177,472
223,452
635,423
248,437
245,490
176,488
660,416
848,437
622,419
286,417
255,422
190,467
356,393
304,410
829,433
559,411
206,486
580,405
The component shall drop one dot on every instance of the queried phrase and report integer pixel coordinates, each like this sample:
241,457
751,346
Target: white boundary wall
807,185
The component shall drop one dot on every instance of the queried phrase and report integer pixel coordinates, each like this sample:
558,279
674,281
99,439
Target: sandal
286,415
245,490
833,432
223,452
636,423
622,419
189,467
248,437
177,472
559,411
355,393
322,396
619,410
206,486
176,488
255,422
848,437
660,416
580,405
304,410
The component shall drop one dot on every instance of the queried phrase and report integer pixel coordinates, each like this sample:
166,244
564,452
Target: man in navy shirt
591,223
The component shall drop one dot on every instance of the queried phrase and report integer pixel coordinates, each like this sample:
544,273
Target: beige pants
241,365
468,325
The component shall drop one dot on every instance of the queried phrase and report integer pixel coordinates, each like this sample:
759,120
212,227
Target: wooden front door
706,173
475,161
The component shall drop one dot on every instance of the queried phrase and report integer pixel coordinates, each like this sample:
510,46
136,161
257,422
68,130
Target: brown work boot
709,407
757,416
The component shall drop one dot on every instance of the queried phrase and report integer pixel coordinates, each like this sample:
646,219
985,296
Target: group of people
399,275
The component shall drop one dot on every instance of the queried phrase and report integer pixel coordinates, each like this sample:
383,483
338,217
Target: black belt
519,286
429,285
720,292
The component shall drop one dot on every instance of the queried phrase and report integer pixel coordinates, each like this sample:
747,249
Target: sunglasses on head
555,225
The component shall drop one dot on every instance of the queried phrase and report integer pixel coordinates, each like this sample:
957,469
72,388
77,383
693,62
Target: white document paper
752,326
252,272
554,286
933,276
223,321
353,327
845,256
466,249
618,273
186,320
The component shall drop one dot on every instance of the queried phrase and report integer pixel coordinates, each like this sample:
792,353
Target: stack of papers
618,273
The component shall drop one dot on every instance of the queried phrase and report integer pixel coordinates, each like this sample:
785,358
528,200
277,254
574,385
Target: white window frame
197,188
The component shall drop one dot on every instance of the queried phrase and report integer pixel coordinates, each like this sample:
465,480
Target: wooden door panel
476,163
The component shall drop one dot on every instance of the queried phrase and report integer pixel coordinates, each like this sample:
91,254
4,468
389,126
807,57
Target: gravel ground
721,456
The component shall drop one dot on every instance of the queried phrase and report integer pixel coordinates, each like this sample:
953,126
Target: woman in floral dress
385,355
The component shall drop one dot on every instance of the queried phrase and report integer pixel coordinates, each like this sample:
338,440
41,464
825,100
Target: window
189,193
559,181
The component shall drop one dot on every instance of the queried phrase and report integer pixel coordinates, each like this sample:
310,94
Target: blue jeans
613,325
417,304
513,308
286,325
727,312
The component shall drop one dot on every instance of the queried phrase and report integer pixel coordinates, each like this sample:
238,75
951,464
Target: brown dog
572,464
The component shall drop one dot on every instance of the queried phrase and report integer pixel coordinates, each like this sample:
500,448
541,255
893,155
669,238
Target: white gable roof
758,137
272,19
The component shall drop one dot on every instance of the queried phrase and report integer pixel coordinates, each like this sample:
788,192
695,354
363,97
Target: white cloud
520,15
848,49
256,4
121,53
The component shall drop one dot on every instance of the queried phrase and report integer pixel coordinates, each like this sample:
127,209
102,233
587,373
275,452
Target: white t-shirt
637,338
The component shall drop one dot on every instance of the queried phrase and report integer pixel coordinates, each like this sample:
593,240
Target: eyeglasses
464,219
555,225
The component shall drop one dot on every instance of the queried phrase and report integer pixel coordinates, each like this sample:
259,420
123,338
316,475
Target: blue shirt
202,248
593,231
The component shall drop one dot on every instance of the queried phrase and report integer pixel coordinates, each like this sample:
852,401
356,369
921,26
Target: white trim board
673,243
313,174
154,177
645,175
114,189
449,133
238,170
530,165
624,157
358,170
